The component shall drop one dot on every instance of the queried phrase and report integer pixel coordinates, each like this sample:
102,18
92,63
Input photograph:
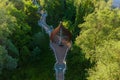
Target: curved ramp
59,51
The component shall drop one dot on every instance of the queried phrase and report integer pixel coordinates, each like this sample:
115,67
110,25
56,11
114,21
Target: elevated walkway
59,51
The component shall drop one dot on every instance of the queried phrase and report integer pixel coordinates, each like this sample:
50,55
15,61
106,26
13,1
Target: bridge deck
60,55
59,51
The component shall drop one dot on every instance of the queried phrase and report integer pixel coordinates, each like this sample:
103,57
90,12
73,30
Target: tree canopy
25,53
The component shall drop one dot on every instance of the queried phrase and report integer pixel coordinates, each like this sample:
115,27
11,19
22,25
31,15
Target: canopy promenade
59,42
59,51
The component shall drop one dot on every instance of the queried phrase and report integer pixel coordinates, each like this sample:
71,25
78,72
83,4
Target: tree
99,39
83,8
7,26
55,9
107,65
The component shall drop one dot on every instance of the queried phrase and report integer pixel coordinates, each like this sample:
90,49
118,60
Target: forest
25,53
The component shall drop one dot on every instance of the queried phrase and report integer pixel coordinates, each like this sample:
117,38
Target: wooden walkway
60,70
59,51
60,55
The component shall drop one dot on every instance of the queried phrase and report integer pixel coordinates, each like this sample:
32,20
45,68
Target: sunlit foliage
99,39
24,47
7,26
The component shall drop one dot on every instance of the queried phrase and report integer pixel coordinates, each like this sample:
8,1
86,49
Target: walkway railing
60,52
60,65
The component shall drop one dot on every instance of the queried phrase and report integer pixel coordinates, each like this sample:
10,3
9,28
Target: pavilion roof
65,32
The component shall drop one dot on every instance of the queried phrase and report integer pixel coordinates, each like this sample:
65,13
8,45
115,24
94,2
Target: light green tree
7,26
99,40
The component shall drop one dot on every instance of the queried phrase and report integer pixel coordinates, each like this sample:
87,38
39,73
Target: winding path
59,51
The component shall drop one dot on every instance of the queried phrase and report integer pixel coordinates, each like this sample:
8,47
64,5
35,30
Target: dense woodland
24,47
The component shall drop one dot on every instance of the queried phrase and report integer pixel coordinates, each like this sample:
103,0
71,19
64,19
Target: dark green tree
83,8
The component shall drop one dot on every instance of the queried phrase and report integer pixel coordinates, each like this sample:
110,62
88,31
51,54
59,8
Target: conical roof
65,33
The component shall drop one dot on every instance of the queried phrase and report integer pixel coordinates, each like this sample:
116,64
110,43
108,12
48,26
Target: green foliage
7,26
70,11
55,9
99,40
39,66
99,25
20,36
77,64
24,54
6,61
35,54
94,56
107,66
10,62
2,53
41,40
83,8
13,51
18,4
7,22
